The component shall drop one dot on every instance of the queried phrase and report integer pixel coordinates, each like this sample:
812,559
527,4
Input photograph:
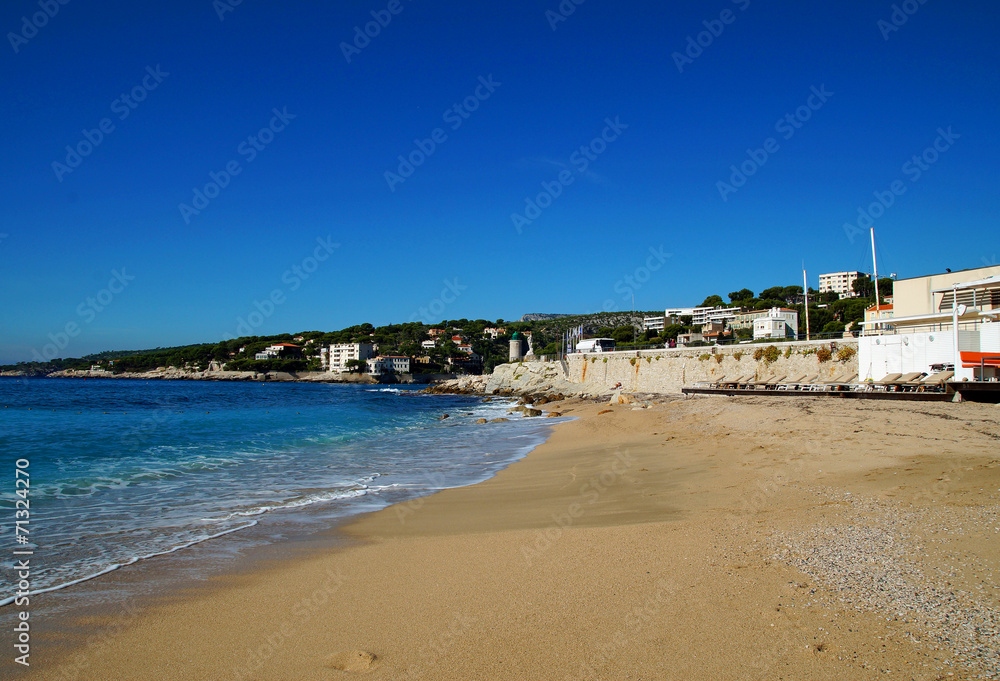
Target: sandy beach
706,538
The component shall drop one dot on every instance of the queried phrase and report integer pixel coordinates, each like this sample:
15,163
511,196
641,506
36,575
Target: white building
272,351
934,319
339,354
839,282
388,364
654,323
780,323
717,314
704,315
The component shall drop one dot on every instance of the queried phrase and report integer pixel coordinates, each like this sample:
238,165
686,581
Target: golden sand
710,538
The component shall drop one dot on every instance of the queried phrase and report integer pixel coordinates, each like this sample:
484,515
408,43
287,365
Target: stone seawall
663,371
669,370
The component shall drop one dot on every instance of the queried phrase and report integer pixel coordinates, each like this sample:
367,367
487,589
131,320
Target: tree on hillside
713,301
671,331
742,295
624,334
865,287
773,293
791,293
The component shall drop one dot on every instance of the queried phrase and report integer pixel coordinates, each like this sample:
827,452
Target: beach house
940,321
274,351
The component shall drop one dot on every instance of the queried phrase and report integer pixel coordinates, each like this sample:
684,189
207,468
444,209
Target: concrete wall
904,352
669,370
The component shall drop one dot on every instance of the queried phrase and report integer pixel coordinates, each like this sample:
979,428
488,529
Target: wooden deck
946,396
972,391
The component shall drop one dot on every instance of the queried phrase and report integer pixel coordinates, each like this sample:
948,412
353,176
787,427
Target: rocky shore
175,374
520,379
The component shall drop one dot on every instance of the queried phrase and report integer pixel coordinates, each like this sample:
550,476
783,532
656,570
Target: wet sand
707,538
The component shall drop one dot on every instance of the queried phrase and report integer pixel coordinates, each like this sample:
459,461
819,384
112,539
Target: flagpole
805,287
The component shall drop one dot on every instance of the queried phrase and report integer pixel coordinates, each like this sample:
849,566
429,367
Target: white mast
875,269
805,288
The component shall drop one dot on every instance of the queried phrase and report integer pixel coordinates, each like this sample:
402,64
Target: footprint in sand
352,661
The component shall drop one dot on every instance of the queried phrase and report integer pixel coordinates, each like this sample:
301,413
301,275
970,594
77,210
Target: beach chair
738,383
934,382
708,384
787,384
883,382
897,384
842,383
808,383
770,383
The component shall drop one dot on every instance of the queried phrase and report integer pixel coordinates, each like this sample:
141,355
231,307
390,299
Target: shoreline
233,376
640,541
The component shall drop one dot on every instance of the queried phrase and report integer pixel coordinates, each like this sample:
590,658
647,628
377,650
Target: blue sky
620,123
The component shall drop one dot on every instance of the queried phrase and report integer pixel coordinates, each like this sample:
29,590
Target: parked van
596,345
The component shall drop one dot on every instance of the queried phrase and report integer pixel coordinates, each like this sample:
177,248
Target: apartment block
841,283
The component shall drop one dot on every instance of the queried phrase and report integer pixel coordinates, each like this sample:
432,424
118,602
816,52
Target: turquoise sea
125,470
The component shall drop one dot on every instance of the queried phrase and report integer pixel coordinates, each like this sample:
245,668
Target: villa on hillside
388,364
778,323
273,351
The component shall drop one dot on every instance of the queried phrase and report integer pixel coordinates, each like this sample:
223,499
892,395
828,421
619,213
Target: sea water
125,470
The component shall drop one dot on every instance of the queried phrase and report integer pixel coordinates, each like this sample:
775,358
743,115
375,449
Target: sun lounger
771,383
806,383
883,382
897,384
754,384
842,382
787,384
934,382
735,382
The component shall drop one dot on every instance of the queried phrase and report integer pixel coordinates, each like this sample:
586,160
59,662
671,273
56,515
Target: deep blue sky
323,175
